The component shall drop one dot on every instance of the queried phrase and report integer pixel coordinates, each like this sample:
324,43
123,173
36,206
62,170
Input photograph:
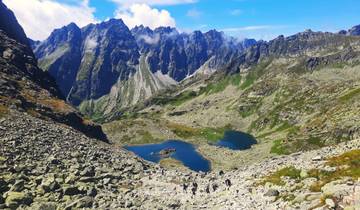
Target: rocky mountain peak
10,25
354,31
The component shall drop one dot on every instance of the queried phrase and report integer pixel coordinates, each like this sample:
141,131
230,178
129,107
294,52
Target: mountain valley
73,106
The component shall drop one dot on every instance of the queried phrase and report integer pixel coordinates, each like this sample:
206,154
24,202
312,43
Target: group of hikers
214,186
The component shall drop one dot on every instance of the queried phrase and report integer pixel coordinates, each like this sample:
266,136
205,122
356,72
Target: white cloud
150,39
193,13
143,14
236,12
128,3
40,17
248,28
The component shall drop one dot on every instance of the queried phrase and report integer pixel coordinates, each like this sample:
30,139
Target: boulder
272,192
330,203
71,190
18,186
15,199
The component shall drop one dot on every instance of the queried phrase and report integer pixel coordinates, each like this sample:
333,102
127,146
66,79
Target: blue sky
260,19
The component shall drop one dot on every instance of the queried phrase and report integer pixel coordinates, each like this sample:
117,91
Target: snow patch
90,44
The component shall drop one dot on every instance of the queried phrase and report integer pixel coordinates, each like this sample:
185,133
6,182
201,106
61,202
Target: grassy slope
286,107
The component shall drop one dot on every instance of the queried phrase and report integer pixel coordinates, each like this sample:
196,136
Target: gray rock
18,186
330,203
71,190
85,202
44,206
15,199
272,192
88,172
92,192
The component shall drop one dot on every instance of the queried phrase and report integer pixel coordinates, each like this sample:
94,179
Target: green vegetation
3,111
282,127
146,137
275,177
221,85
174,100
279,148
347,165
315,141
210,134
255,73
350,95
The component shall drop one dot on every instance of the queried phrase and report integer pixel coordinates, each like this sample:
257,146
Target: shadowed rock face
87,63
180,55
354,31
25,87
304,44
10,26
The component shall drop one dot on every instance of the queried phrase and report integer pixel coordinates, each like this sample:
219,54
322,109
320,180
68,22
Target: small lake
184,152
236,140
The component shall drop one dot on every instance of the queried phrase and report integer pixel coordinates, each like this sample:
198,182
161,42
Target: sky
259,19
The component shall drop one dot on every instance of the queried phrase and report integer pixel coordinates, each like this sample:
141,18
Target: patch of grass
347,165
3,111
220,85
183,97
174,100
210,134
146,137
254,74
275,178
284,126
350,95
315,141
279,148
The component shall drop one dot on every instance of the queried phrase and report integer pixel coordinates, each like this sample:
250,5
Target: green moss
347,165
255,73
221,85
315,141
146,137
3,111
350,95
279,148
210,134
275,178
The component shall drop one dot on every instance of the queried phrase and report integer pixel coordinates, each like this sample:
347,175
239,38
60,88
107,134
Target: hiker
185,186
207,190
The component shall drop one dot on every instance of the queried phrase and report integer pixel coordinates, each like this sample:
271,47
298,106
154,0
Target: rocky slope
49,166
26,87
100,67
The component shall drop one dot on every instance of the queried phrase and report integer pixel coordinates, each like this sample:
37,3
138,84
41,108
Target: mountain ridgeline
105,66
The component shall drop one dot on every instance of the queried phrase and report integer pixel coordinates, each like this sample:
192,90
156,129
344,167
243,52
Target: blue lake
185,152
236,140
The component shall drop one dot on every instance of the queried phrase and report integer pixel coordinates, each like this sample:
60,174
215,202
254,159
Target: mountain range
106,66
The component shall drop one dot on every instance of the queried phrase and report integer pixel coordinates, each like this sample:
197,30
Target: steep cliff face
61,53
10,26
109,53
308,45
181,55
103,66
88,62
25,87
